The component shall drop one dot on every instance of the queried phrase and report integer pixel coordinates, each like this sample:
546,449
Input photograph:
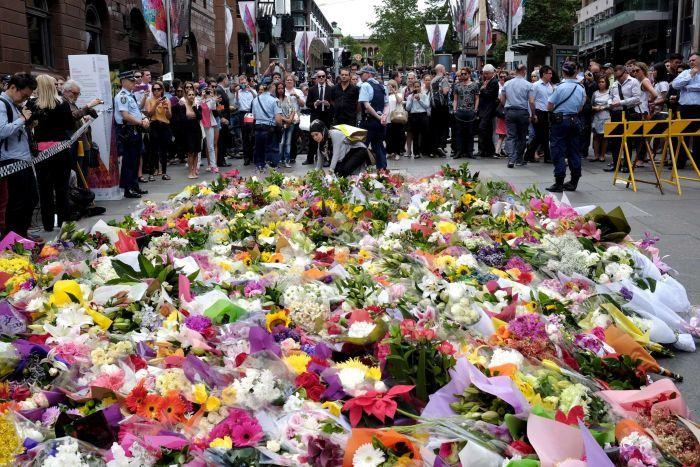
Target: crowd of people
557,116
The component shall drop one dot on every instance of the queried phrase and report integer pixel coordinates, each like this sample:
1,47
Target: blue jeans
286,143
565,144
375,139
266,147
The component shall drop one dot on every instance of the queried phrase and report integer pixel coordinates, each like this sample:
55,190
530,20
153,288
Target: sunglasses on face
157,89
321,76
137,76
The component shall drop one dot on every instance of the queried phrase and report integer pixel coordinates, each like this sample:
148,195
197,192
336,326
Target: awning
627,17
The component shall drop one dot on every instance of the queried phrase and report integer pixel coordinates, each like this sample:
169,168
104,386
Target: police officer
565,104
374,104
268,115
130,123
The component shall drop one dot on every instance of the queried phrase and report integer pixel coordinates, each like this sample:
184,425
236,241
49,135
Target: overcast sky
351,15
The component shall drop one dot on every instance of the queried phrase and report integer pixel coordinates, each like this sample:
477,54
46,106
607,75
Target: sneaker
511,166
287,165
521,164
408,155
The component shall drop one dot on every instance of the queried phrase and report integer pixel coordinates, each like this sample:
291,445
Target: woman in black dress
54,123
188,116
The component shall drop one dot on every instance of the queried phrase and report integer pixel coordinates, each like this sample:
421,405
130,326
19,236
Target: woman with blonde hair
54,123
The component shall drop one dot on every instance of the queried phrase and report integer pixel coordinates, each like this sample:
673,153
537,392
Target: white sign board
91,72
510,56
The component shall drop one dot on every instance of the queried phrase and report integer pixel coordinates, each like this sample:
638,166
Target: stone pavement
675,219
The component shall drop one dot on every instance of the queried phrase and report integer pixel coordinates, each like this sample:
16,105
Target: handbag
399,115
304,122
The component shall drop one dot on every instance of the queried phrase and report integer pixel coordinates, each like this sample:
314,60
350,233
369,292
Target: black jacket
488,99
345,102
226,112
316,113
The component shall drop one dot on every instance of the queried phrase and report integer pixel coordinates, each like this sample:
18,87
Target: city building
370,50
309,17
649,30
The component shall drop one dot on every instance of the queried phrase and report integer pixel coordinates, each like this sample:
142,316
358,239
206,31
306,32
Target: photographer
54,123
159,111
18,192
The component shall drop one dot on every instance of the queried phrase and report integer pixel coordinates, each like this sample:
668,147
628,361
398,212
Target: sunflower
278,318
150,407
173,407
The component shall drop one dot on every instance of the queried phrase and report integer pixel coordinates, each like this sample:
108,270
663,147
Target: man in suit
488,103
319,104
225,115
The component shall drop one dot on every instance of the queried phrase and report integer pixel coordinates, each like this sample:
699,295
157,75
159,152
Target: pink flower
247,433
446,348
112,379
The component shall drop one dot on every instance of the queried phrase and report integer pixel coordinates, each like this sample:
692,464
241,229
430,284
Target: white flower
504,356
368,456
273,445
293,403
361,329
66,453
351,378
73,316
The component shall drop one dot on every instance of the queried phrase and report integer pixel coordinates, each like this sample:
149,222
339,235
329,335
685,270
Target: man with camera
18,191
565,105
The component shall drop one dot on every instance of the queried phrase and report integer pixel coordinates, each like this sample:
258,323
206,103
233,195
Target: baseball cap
368,69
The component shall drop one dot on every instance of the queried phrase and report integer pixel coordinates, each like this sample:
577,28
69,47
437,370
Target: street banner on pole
517,10
471,22
228,25
91,72
247,10
488,39
154,15
302,44
436,35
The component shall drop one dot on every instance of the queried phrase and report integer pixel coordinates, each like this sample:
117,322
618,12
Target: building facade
648,30
38,36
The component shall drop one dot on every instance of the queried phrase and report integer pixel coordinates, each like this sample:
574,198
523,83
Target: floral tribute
373,321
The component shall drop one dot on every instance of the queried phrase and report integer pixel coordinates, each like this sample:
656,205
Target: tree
351,44
398,27
549,21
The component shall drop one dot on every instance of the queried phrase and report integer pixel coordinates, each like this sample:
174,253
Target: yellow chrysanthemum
445,261
374,373
297,362
275,319
446,227
274,191
467,198
224,442
353,363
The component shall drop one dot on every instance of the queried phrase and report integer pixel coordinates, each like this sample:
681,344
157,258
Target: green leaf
146,266
421,389
124,270
72,297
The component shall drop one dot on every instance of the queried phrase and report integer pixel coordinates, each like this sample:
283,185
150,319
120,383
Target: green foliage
398,27
351,44
549,21
499,51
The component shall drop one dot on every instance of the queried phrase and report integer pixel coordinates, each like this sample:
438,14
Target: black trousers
160,143
418,125
53,175
486,147
541,137
223,144
690,111
247,137
22,197
439,127
395,138
463,137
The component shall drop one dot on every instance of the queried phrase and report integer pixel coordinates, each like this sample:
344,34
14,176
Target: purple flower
529,326
491,256
649,240
322,452
516,262
626,293
50,416
588,342
254,288
198,323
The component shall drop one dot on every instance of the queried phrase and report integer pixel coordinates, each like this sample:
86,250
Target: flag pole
510,30
257,39
170,39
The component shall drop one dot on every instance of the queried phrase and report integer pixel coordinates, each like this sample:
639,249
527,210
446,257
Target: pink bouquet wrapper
571,446
11,238
622,402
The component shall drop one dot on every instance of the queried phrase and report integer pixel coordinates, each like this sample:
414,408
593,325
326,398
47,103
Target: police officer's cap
368,69
608,65
129,74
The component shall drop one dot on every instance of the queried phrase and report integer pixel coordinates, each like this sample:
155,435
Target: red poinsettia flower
380,405
572,417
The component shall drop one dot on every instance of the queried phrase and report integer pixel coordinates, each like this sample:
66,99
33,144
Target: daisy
136,397
173,407
150,407
368,456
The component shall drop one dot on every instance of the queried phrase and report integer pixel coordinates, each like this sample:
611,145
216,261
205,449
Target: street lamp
336,35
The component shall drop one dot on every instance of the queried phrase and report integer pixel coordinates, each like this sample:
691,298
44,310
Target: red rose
315,392
307,379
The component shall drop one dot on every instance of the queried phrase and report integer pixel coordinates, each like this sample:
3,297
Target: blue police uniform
129,142
565,132
373,92
264,108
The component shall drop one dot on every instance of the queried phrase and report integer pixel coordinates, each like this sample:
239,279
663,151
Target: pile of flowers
316,321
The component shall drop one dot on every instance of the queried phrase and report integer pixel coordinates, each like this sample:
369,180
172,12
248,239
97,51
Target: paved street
675,219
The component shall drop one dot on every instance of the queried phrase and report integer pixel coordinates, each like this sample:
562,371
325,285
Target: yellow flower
332,407
467,198
446,227
297,362
353,363
228,395
358,209
275,319
274,191
199,393
551,365
374,373
363,255
213,404
402,215
224,442
445,261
